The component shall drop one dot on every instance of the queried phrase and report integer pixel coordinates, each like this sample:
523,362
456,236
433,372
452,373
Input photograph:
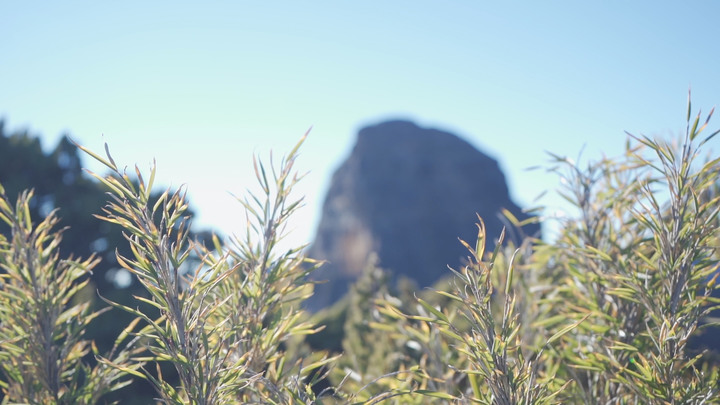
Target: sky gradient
202,86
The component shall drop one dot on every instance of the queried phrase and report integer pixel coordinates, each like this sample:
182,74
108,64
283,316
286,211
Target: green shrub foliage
222,324
640,262
603,314
43,352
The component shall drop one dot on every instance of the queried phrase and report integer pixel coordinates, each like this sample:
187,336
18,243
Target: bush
604,314
43,355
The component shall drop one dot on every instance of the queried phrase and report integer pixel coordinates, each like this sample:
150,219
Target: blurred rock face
406,193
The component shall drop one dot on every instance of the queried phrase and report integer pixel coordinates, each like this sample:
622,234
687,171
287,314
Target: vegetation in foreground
604,314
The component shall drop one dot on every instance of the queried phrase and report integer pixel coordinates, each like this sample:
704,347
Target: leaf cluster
604,314
44,356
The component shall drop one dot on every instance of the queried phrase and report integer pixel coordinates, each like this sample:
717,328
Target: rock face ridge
406,193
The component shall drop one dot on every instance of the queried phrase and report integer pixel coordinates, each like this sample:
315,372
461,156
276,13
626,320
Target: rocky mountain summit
407,194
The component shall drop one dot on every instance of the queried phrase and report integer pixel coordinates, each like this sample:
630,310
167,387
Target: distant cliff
406,193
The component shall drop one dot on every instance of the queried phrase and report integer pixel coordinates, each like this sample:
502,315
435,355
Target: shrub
43,353
640,262
223,323
604,314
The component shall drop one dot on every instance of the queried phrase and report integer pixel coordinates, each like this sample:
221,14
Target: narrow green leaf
511,271
122,368
433,310
565,330
602,255
693,132
449,333
481,242
96,156
436,394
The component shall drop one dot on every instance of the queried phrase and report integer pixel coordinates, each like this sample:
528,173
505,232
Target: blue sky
202,86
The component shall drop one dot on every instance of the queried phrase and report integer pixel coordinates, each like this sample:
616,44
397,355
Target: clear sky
202,86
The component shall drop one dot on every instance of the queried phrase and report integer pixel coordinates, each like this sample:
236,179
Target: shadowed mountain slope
407,193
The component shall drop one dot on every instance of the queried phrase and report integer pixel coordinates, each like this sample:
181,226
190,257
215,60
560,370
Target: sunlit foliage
603,314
